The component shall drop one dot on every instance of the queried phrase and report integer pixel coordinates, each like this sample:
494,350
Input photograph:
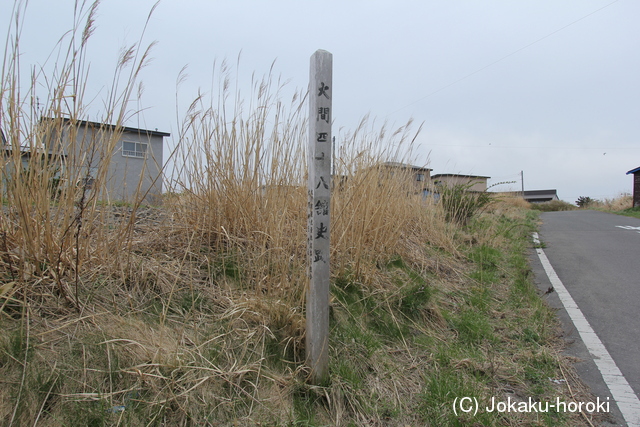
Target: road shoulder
574,346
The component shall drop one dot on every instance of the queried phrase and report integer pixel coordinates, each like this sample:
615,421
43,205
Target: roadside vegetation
621,205
553,206
633,212
191,312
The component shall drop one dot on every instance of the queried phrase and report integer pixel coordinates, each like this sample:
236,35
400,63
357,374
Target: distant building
136,156
419,178
540,196
475,183
8,168
534,196
78,149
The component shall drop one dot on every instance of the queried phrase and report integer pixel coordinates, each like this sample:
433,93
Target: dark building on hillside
534,196
540,196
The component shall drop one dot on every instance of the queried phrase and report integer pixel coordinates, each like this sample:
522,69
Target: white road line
629,227
621,391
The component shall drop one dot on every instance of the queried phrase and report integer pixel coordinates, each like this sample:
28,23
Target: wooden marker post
319,162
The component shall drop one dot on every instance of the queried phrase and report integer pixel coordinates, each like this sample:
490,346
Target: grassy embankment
553,206
632,212
621,205
192,312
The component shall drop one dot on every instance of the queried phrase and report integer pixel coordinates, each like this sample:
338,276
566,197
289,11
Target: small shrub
460,204
584,201
415,298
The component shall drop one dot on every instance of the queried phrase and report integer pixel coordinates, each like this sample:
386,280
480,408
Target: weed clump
553,206
460,204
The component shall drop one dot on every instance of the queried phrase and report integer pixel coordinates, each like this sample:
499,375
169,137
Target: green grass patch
632,212
472,327
442,388
415,291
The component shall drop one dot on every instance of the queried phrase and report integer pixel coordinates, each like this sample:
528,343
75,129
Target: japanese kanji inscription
319,210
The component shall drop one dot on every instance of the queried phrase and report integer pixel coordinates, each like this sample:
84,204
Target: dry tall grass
231,236
619,203
245,193
53,231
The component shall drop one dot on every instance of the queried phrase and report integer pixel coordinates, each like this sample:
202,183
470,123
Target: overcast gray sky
548,87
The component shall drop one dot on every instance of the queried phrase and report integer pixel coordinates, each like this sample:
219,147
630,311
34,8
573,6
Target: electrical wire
501,59
555,147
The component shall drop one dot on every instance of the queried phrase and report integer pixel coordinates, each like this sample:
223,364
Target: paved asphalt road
599,263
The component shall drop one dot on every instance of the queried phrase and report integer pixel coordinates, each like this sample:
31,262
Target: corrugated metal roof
405,166
459,175
113,127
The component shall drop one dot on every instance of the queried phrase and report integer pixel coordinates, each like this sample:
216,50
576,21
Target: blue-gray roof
634,170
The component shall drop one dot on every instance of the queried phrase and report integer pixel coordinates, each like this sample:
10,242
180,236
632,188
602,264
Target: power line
555,147
501,59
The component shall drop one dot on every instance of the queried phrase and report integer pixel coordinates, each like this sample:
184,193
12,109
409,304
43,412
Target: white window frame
137,153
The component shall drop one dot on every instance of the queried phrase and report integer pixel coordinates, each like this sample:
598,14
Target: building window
420,177
134,149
